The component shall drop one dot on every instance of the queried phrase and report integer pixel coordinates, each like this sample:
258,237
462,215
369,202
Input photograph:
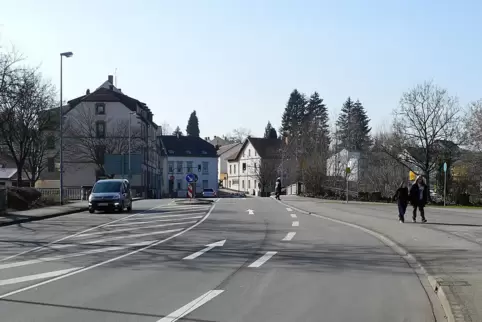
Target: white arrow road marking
289,209
155,220
135,228
34,277
295,223
263,259
87,252
207,249
191,306
289,236
293,215
250,211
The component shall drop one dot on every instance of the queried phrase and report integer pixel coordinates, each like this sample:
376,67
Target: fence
3,200
69,193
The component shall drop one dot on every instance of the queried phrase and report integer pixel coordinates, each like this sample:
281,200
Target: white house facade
337,164
224,152
184,155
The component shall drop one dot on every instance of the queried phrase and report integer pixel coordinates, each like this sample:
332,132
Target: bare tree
88,141
37,159
24,96
266,172
428,118
166,128
238,135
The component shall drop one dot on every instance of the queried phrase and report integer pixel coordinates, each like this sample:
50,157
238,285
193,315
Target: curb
405,254
30,219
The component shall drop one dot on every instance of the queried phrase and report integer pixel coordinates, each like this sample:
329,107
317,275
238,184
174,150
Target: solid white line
87,252
289,209
36,276
263,259
153,216
73,235
293,215
295,223
289,236
109,260
204,250
152,221
191,306
134,228
98,241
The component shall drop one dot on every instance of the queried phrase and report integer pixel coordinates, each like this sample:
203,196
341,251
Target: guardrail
69,193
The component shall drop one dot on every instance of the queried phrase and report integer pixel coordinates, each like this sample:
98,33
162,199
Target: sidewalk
18,217
449,246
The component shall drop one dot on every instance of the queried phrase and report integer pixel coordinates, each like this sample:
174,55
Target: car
209,193
111,194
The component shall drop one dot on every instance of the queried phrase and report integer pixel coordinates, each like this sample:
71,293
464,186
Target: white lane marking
191,306
208,248
289,209
109,260
153,221
293,215
87,252
289,236
98,241
134,228
153,216
295,223
263,259
73,235
250,211
37,276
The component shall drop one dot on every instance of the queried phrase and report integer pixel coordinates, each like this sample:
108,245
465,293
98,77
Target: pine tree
317,118
353,126
270,132
192,128
177,131
294,113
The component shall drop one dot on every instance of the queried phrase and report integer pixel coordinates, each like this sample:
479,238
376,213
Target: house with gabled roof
224,152
255,166
188,154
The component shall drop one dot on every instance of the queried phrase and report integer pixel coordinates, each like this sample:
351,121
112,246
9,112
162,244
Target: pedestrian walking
418,198
278,188
401,195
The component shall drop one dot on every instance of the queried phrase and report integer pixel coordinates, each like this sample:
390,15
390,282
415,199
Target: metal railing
69,193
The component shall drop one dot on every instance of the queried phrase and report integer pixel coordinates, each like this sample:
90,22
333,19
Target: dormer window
171,151
100,108
203,152
188,152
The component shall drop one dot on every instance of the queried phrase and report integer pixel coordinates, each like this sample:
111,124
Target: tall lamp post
130,125
61,115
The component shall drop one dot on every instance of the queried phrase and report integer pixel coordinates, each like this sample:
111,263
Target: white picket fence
69,193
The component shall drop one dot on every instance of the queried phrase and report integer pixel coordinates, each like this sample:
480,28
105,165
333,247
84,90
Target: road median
440,250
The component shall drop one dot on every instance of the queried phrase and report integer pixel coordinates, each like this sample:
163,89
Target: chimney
87,92
111,87
110,78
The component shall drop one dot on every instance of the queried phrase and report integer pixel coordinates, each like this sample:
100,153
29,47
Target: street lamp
130,125
61,115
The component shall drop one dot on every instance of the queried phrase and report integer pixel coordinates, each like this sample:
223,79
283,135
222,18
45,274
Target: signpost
445,181
191,178
347,171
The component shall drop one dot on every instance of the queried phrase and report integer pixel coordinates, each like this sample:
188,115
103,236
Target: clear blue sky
236,62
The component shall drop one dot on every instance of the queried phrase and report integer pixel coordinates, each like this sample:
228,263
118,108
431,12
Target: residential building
219,142
337,164
184,155
101,123
255,166
223,153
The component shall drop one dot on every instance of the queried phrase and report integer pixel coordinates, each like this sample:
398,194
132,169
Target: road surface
248,259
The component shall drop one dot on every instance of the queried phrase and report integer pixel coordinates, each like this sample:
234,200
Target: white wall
240,180
337,164
223,162
211,176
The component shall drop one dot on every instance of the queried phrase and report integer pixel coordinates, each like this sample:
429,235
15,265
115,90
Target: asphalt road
240,260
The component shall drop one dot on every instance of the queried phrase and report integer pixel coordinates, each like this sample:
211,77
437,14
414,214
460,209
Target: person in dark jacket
418,198
278,188
401,195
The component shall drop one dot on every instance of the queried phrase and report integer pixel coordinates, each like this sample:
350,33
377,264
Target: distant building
223,153
184,155
219,142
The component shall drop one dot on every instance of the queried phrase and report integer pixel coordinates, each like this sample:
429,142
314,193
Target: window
179,184
234,169
255,153
254,184
189,166
100,129
249,152
230,168
249,184
51,142
50,164
242,184
100,109
255,166
205,167
179,167
244,167
205,184
100,153
171,166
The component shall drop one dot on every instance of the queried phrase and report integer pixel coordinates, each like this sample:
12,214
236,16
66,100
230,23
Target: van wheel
129,209
91,210
121,208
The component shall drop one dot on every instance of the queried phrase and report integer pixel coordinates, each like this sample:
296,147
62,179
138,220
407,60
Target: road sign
189,191
412,176
445,166
190,177
348,170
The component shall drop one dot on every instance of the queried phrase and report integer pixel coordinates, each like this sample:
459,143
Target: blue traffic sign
445,166
190,178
